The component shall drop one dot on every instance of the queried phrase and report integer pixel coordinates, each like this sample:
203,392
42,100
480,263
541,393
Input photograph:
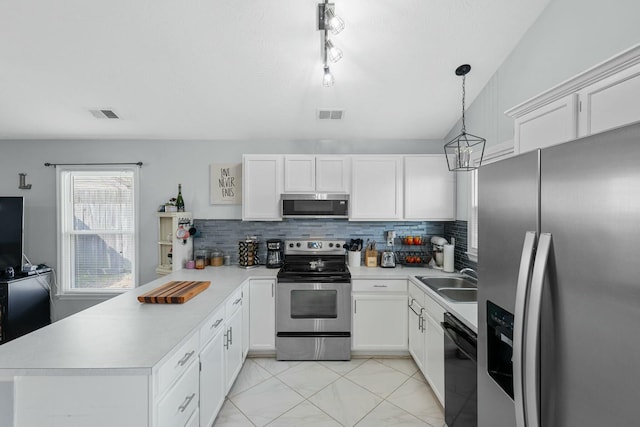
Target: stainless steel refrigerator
559,289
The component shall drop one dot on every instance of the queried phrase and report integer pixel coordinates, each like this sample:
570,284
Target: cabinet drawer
181,401
233,303
214,323
178,363
433,309
375,285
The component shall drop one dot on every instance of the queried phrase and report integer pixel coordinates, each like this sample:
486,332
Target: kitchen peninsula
130,364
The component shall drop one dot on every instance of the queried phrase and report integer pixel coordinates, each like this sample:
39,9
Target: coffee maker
275,253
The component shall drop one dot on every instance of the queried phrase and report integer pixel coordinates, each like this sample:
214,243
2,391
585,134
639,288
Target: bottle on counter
179,199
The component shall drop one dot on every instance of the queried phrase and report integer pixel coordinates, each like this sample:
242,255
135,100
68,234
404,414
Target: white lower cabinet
195,420
416,330
434,356
246,302
233,340
212,368
262,309
426,338
379,319
181,400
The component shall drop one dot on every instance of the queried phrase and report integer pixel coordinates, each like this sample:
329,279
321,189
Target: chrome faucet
466,271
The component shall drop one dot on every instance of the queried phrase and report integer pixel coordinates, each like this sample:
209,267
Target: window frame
64,261
491,155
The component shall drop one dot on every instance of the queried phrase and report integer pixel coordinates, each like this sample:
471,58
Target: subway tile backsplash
225,234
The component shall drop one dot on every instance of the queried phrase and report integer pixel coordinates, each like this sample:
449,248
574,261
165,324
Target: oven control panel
314,246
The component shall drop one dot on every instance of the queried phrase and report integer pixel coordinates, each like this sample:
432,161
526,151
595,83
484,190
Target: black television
11,237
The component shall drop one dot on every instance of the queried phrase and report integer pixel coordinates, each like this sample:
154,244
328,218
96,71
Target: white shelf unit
181,250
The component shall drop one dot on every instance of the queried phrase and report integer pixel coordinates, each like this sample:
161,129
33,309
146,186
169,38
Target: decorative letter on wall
226,183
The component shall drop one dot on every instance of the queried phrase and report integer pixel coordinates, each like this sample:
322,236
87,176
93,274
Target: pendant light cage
461,149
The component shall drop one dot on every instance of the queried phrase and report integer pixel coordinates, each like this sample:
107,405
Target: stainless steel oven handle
518,325
532,339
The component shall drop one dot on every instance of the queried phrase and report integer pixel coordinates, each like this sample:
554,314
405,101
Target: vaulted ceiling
246,69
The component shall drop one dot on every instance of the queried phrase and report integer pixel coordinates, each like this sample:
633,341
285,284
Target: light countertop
121,336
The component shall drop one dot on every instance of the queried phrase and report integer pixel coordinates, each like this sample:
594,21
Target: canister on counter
202,255
216,258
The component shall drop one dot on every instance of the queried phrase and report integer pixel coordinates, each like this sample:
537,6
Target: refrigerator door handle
532,344
524,275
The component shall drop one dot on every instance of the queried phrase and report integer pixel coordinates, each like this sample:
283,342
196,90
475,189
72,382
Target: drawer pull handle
226,340
186,357
215,325
380,286
237,301
230,335
186,402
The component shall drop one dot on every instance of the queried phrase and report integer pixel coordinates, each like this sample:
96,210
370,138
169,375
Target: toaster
388,259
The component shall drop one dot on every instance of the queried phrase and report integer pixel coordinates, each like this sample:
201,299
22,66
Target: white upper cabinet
429,188
610,103
333,174
299,173
548,125
376,188
262,186
323,174
600,98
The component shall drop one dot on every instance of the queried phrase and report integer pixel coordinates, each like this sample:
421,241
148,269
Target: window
491,155
97,230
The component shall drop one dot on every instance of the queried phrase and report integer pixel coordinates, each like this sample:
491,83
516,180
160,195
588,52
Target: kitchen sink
437,283
459,294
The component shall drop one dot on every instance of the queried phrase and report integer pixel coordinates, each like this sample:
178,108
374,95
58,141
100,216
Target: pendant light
460,148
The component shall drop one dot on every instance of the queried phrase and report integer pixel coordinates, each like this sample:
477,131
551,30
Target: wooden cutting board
175,292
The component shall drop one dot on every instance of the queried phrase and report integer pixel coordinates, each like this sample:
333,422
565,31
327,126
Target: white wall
569,37
166,163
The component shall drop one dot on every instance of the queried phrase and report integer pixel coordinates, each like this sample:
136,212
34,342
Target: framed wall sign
226,183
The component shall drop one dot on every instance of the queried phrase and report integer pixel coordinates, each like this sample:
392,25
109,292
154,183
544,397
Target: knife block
371,258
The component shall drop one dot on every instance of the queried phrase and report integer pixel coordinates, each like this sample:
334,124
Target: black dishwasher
460,373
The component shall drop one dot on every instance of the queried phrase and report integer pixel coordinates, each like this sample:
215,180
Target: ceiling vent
330,114
104,114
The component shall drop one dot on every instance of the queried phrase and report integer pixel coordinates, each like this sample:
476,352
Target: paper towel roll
448,259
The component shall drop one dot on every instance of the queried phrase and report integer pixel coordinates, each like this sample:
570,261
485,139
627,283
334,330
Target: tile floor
362,392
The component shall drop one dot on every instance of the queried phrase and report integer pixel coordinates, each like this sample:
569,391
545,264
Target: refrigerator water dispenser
500,346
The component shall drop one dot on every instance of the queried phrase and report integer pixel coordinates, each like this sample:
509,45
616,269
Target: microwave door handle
532,344
524,275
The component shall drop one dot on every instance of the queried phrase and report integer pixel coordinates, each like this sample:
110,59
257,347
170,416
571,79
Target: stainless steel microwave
315,205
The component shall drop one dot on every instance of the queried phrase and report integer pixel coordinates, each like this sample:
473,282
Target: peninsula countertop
122,336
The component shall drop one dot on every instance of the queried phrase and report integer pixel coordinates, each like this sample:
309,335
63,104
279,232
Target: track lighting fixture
329,21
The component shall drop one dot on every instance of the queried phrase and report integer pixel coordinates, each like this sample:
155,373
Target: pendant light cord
464,78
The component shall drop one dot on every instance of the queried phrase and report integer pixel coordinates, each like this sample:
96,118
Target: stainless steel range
313,302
